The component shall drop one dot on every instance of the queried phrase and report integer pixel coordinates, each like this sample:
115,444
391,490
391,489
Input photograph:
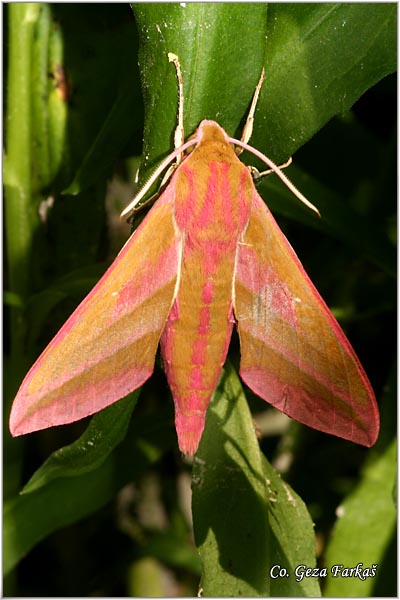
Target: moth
207,257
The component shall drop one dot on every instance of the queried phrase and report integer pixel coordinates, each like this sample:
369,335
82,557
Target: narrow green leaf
112,138
105,431
293,540
29,518
43,160
366,524
93,47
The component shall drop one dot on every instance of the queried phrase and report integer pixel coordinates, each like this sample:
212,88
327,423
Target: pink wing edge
21,422
366,438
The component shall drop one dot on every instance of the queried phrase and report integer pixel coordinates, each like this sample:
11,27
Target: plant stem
17,167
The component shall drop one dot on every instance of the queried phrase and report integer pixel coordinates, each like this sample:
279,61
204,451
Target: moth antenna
277,171
248,128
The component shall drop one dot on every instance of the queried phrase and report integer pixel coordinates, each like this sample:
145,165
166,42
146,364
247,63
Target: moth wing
294,354
106,348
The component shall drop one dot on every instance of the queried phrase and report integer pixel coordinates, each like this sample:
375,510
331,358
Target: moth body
211,206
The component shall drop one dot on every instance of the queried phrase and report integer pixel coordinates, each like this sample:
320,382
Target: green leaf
246,519
95,47
338,218
218,83
105,431
366,524
12,299
112,138
320,58
293,539
230,499
29,518
174,550
41,307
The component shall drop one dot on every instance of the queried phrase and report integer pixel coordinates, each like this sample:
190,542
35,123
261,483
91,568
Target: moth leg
248,128
255,173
